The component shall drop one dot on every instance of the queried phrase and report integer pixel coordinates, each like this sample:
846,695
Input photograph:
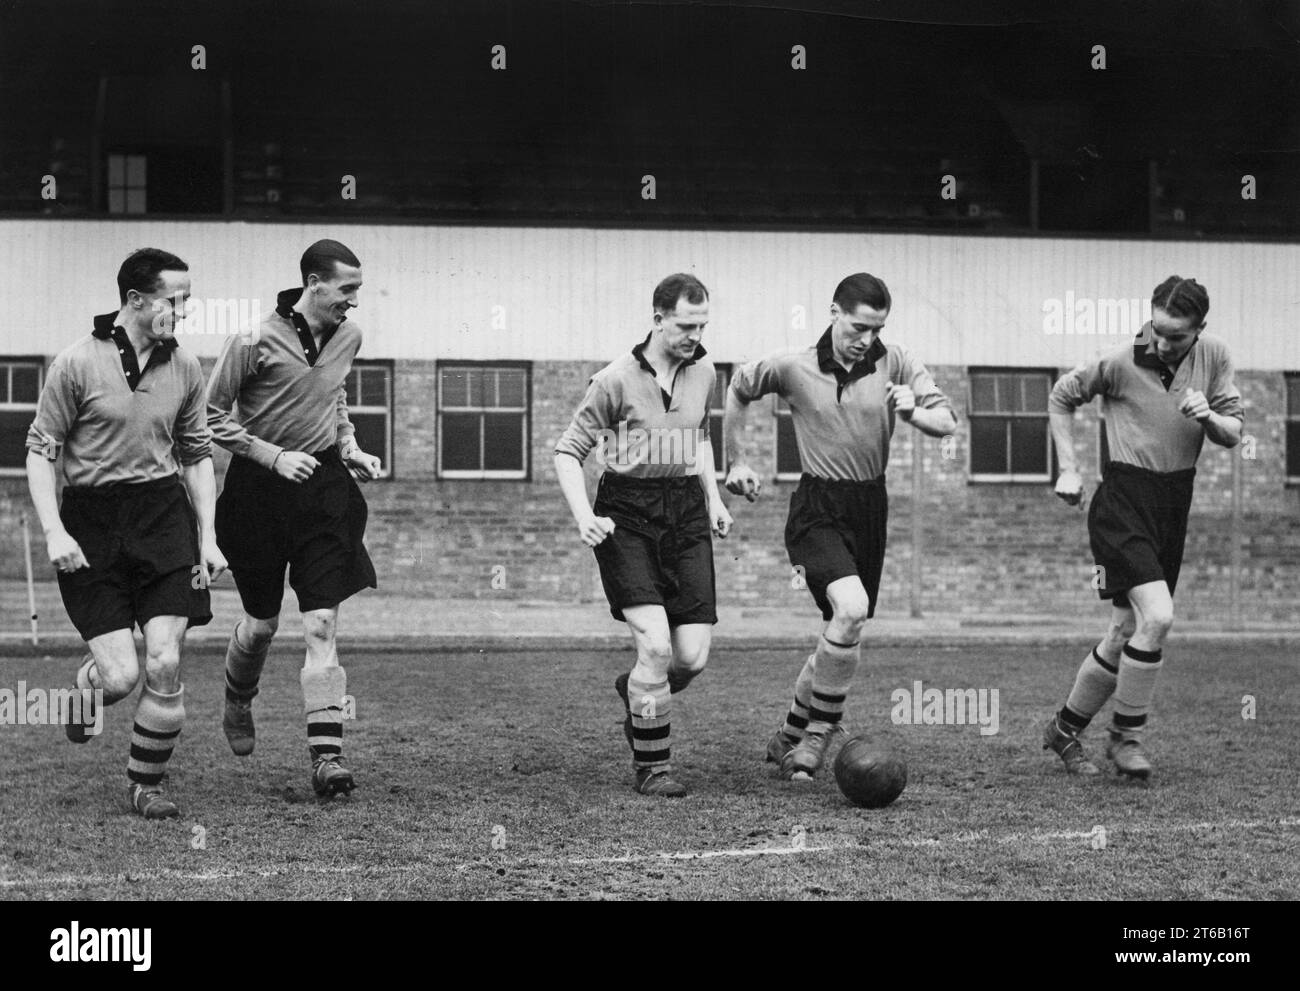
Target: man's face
853,333
333,297
1173,336
165,306
683,327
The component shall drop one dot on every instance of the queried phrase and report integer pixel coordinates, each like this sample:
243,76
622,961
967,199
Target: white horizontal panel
564,294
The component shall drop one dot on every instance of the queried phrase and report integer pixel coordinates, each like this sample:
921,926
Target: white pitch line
667,856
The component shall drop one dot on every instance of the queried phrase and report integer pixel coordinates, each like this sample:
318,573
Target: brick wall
1006,549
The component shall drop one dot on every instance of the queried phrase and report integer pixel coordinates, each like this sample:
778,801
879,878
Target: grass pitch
491,775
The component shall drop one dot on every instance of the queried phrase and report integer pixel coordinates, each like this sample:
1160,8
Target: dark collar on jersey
1145,357
108,329
864,366
638,353
284,302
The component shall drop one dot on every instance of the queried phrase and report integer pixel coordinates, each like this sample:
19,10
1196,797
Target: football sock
243,669
651,705
322,695
1135,688
158,721
832,676
1093,685
796,720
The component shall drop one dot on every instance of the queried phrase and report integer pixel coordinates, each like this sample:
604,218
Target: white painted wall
581,293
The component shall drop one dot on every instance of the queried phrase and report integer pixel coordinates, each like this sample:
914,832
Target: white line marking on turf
968,836
666,856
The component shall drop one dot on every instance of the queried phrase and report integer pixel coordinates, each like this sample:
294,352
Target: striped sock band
243,669
1093,685
796,720
158,721
322,695
651,706
1135,688
835,667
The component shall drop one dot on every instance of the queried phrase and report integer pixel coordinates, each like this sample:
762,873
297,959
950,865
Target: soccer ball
868,776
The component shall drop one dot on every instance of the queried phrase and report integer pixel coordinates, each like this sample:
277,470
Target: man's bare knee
118,680
256,634
850,615
318,625
1156,623
691,659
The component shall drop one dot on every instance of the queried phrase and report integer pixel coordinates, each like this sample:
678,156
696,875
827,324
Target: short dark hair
862,288
673,288
141,269
1182,298
319,260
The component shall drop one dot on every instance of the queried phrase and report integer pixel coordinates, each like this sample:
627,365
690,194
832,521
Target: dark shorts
142,543
315,528
1137,523
661,550
836,529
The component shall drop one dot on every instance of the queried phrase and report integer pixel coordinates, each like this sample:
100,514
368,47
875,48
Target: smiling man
277,401
845,393
1161,397
123,407
656,507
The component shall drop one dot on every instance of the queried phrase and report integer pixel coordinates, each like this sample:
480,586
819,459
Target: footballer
133,539
845,393
1161,398
277,401
657,506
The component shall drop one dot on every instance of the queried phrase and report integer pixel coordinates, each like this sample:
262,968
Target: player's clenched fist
742,480
1069,486
1194,405
65,553
902,397
595,529
296,466
720,519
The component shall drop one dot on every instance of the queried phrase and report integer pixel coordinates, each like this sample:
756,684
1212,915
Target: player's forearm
1222,430
236,439
1063,437
708,478
933,422
344,431
201,484
573,484
734,418
40,483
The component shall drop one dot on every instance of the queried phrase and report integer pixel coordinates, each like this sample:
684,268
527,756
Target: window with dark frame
717,410
127,188
369,389
1010,440
483,420
1293,428
788,465
20,390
